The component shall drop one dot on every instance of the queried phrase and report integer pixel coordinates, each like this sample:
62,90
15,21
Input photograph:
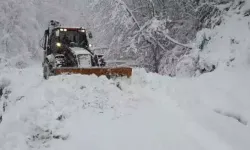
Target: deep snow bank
150,111
35,108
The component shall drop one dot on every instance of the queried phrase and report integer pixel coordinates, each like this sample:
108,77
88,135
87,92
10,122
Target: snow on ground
149,112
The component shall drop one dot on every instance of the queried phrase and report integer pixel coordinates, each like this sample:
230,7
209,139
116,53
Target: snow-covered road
150,112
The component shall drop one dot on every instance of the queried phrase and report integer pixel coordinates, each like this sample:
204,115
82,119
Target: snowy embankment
150,112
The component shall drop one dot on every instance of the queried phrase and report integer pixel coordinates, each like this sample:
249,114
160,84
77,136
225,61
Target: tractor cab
57,38
73,37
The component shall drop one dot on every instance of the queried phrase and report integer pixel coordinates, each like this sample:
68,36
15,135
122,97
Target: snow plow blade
109,72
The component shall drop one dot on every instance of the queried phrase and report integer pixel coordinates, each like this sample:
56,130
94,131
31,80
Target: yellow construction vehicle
67,51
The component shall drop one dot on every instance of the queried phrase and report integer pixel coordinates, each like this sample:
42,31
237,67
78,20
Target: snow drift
149,111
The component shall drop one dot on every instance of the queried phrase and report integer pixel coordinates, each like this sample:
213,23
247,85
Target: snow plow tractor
67,51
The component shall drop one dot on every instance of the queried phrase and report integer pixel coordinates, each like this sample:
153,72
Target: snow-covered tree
157,34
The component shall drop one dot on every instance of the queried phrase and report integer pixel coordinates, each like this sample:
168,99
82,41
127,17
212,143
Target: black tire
46,71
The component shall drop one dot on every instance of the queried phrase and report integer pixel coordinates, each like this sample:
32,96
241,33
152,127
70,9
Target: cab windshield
73,38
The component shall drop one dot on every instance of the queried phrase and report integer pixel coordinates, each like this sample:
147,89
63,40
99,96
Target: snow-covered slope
229,43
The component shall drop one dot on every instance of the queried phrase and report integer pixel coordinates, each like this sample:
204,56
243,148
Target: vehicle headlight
63,30
58,44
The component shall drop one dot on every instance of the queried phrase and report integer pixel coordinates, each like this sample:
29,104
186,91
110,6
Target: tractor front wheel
46,70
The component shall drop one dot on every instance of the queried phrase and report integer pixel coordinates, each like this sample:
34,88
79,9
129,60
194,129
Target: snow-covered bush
4,83
227,44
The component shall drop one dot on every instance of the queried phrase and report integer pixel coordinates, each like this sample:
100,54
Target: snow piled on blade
149,112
